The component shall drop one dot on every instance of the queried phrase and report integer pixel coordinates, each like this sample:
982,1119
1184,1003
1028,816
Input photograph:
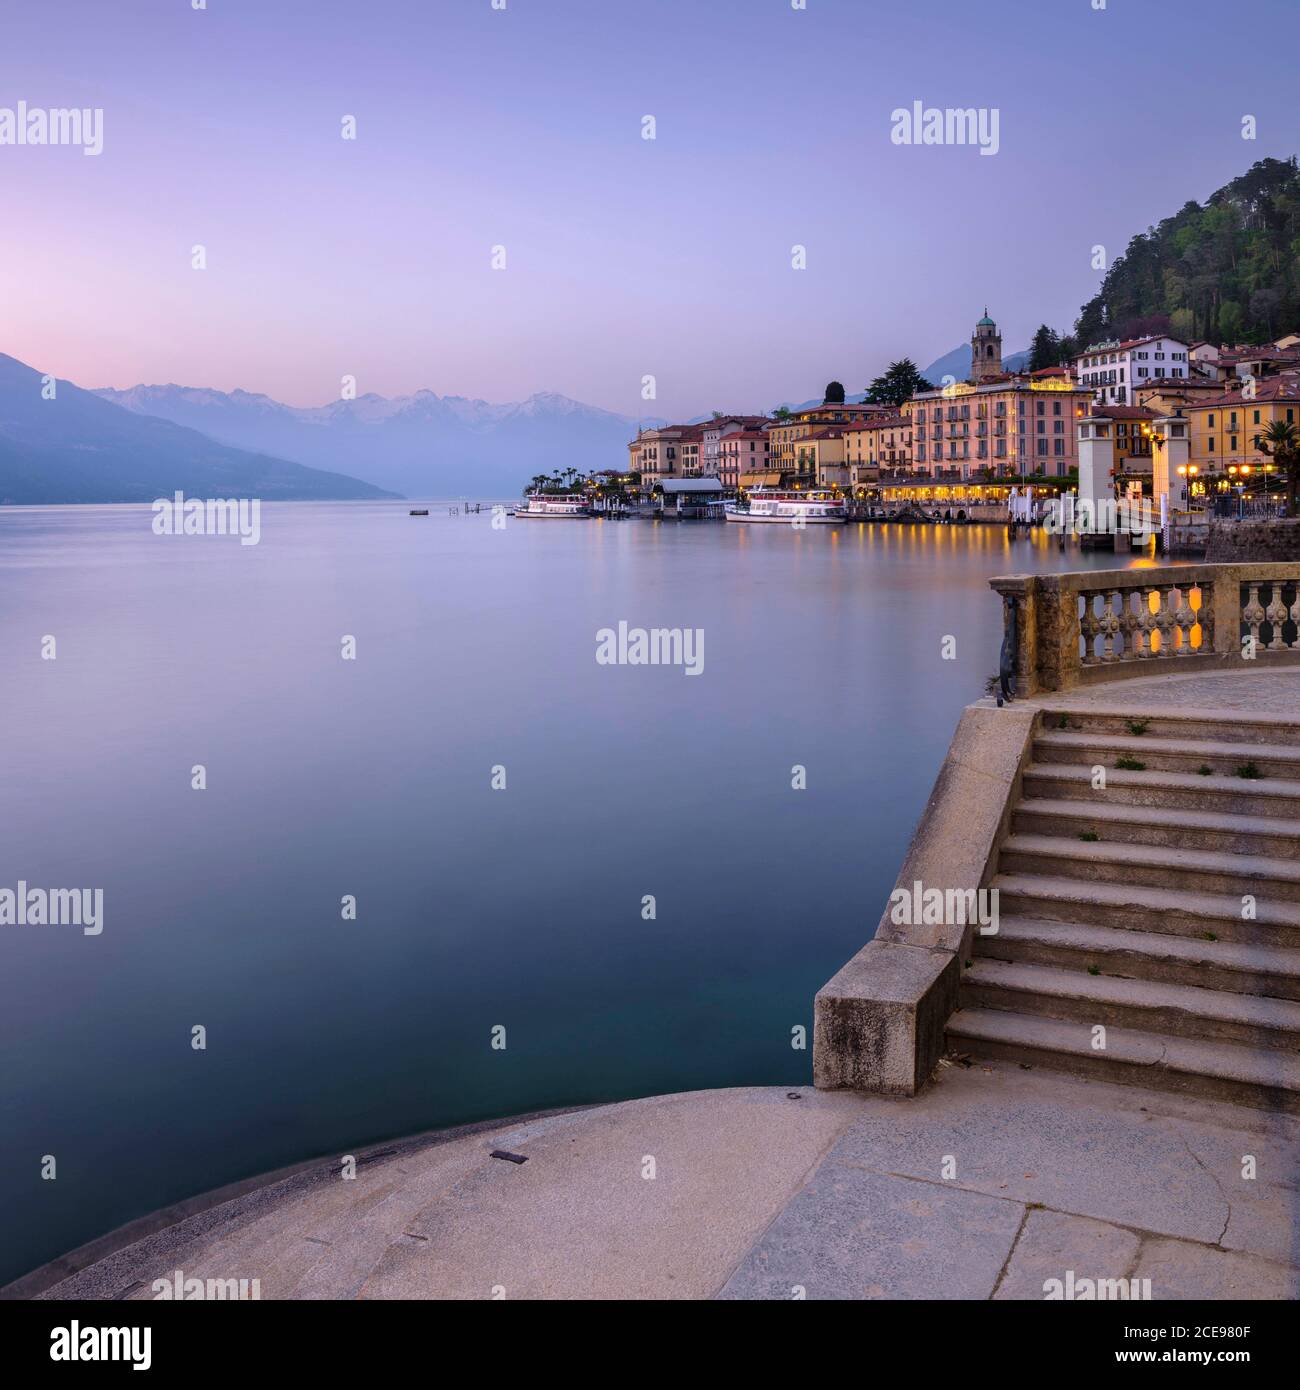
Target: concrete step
1277,760
1158,866
1172,790
1270,971
1210,724
1148,1006
1140,907
1115,822
1263,1077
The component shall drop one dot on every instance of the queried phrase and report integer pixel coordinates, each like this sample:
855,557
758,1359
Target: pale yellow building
1224,428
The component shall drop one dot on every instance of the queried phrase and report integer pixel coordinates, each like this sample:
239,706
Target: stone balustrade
1065,630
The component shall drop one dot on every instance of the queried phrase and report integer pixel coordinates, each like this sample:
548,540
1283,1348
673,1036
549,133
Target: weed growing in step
1131,765
1137,727
1209,936
1089,835
1205,770
1249,771
1094,970
1063,722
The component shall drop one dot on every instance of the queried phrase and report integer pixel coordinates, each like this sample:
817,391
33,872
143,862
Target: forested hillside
1226,271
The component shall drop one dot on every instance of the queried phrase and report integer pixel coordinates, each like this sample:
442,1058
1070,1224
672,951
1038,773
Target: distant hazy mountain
956,364
79,448
423,445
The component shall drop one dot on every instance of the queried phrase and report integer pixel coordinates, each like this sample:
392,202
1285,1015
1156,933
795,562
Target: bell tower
985,350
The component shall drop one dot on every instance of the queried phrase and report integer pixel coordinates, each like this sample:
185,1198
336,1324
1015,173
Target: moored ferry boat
806,508
551,504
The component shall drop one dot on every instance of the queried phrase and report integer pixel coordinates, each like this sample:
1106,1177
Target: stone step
1157,866
1210,724
1264,1077
1147,1006
1271,971
1140,907
1173,790
1115,822
1276,760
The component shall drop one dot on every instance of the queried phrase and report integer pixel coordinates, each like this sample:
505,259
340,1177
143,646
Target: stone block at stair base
879,1022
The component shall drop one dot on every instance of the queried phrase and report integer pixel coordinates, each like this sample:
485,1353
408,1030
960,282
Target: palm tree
1281,442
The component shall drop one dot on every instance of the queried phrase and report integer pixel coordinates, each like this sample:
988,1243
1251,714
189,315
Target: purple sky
625,256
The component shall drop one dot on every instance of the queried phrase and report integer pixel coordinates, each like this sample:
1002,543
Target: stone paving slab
1052,1244
1112,1153
1178,1270
853,1234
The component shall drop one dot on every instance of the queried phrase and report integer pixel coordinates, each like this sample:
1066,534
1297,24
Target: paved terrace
760,1193
994,1180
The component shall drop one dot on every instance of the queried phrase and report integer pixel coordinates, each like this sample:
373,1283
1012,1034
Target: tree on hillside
834,393
899,383
782,412
1045,350
1281,442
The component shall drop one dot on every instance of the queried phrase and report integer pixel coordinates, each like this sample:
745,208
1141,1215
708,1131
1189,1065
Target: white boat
787,508
554,505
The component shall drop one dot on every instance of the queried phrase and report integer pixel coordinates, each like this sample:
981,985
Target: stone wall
1254,542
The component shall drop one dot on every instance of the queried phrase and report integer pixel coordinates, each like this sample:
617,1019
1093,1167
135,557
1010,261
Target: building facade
1008,427
1114,370
717,429
743,457
1224,428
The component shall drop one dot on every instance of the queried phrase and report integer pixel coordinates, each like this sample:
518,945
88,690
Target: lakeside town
1191,430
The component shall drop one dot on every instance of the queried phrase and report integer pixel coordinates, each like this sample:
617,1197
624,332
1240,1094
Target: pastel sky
625,257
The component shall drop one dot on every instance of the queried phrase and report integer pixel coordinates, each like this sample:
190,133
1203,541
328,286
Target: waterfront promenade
996,1180
767,1193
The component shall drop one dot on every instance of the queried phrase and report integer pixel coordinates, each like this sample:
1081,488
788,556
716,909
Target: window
1211,444
1042,444
1058,447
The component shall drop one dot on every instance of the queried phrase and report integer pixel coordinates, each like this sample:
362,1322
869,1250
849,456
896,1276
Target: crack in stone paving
1015,1244
1214,1178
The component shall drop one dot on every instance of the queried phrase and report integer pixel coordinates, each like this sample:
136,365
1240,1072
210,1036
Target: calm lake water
476,908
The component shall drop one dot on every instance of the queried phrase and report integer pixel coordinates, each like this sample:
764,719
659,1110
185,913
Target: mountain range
77,447
421,445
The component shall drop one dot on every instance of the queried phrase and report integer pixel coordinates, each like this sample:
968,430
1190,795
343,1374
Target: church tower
985,350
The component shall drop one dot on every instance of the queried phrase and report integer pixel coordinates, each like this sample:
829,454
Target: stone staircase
1123,907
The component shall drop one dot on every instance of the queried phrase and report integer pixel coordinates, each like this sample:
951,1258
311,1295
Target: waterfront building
1008,427
878,445
743,458
715,431
1225,427
689,445
1167,394
785,434
658,454
985,350
670,452
1114,369
1131,433
820,457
